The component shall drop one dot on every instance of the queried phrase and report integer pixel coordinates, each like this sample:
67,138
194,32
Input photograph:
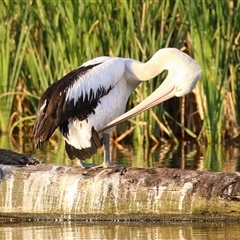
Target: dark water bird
89,101
8,157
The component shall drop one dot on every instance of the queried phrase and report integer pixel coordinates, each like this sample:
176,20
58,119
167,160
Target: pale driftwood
69,192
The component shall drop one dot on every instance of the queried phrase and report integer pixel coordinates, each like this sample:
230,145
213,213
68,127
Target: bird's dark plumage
8,157
57,110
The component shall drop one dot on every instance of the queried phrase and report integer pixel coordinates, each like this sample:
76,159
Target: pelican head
183,74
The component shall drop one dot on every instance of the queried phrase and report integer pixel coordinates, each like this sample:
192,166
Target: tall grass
214,31
43,40
14,33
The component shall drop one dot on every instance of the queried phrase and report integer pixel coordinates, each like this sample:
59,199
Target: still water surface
131,231
186,155
222,158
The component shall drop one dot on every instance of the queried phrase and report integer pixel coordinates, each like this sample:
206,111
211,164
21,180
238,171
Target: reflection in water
120,231
184,156
222,158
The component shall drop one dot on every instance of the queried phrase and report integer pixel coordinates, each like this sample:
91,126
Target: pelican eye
178,88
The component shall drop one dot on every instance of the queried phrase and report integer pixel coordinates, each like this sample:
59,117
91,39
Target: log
54,192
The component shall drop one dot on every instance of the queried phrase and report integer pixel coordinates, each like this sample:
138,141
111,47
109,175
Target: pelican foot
86,165
93,166
108,165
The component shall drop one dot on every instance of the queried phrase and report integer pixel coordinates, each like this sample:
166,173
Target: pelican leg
107,161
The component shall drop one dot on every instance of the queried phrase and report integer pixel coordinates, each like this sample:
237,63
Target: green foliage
43,40
13,44
214,29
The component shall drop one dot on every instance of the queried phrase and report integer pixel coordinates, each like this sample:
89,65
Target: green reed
213,32
43,40
14,33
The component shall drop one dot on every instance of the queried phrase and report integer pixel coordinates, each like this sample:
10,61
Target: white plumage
88,81
89,101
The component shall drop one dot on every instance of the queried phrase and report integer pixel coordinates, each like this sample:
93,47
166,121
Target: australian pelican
89,101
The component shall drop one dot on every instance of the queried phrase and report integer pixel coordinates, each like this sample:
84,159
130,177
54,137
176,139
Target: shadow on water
119,231
187,155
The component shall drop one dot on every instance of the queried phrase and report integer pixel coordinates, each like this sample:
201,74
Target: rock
8,157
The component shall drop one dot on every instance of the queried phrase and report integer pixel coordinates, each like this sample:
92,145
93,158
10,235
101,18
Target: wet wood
46,191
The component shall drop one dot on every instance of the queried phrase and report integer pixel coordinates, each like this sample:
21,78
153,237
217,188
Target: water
133,231
223,158
187,155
